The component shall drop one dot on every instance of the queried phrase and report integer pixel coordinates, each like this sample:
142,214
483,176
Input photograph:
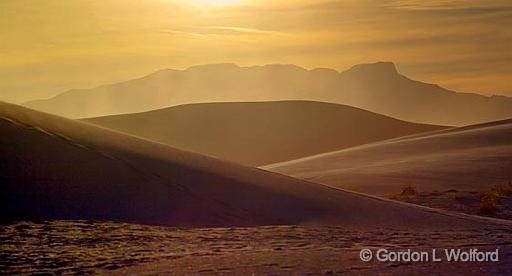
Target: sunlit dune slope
473,158
55,168
258,133
377,87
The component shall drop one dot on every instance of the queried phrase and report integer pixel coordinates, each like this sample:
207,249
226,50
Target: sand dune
473,158
261,133
377,87
55,168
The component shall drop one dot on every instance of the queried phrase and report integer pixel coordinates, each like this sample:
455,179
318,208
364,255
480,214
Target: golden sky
49,46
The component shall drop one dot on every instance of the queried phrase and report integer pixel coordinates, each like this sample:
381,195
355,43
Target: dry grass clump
409,190
488,203
489,200
501,190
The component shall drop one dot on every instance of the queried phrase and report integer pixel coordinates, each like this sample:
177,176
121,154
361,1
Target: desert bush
409,190
501,190
488,203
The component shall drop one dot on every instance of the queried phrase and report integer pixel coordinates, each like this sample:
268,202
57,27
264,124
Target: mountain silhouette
376,87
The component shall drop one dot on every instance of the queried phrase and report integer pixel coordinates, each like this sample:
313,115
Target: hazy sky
50,46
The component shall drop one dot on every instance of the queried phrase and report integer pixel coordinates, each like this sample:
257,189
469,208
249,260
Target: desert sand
377,87
94,173
56,170
468,158
261,133
84,247
450,169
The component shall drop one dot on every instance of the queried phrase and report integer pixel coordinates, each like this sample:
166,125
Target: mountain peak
280,66
381,67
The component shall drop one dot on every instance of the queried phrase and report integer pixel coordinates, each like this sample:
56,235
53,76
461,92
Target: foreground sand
118,248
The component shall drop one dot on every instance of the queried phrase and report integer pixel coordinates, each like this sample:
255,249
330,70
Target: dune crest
259,133
472,158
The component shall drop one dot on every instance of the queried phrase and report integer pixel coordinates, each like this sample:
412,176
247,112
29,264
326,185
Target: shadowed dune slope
55,168
473,158
261,133
376,87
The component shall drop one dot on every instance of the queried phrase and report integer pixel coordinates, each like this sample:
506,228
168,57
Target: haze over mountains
473,158
56,168
260,133
375,87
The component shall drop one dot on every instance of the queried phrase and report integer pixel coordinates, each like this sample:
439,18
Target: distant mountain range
259,133
376,87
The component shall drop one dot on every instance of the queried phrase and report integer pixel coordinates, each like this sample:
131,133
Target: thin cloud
178,32
477,5
218,30
229,29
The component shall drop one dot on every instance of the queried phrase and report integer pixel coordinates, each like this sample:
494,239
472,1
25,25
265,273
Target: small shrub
501,190
409,190
488,203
